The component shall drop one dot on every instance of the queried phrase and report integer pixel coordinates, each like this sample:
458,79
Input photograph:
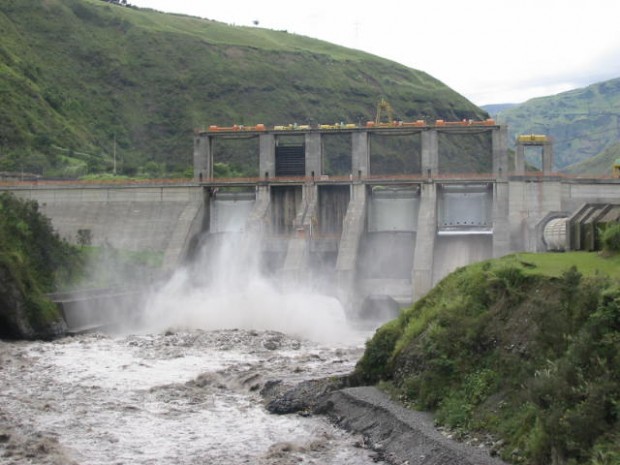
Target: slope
522,348
582,122
78,77
598,164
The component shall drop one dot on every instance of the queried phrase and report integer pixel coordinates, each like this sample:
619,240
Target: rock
306,396
396,434
271,344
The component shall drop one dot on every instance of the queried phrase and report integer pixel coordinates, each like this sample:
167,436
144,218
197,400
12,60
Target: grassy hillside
80,77
598,164
583,122
525,348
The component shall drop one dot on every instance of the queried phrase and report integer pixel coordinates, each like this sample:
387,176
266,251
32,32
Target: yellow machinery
532,139
615,169
384,107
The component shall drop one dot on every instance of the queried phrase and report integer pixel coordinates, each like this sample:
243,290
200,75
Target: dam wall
135,218
355,239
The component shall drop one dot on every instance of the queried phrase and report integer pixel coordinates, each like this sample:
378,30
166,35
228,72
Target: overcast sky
490,51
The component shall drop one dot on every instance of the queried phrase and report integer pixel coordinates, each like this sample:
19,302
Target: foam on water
255,304
224,289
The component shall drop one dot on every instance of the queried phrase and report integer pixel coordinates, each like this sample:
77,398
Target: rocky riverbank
398,435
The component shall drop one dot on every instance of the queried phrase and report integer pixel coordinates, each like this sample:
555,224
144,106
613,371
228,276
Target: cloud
488,51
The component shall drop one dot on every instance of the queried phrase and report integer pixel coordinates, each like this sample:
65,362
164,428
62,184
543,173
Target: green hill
583,122
524,349
598,164
495,109
79,78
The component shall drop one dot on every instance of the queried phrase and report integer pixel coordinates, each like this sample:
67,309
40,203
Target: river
181,383
174,397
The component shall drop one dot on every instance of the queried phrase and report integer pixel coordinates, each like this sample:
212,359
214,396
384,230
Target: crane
384,106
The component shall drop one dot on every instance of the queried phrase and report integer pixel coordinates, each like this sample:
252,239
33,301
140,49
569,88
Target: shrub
33,261
611,238
375,363
531,358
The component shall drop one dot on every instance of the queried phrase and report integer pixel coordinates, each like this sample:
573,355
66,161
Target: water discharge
182,388
224,288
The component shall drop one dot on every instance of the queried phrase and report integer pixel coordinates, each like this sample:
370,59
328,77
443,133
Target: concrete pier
348,251
422,270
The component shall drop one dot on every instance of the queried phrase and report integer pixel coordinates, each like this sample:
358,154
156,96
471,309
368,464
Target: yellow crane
383,106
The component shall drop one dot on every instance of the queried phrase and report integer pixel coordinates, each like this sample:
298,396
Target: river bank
398,435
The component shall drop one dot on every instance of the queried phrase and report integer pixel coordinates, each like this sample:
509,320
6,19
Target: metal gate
290,160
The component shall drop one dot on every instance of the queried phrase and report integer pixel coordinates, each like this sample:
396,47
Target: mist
224,288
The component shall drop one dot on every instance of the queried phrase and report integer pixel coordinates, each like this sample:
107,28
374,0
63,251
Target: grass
555,264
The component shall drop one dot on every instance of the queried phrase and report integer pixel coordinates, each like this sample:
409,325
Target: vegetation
582,122
89,86
598,164
611,239
505,347
33,261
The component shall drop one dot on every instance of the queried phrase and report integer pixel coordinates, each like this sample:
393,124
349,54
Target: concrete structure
137,217
534,140
357,235
371,234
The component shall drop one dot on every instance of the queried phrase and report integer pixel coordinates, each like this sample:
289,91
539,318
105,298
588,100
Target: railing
323,179
98,183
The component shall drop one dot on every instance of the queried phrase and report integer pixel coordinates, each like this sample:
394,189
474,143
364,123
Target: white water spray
225,289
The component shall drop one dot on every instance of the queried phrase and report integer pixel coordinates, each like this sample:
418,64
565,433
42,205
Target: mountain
583,122
495,109
86,84
598,164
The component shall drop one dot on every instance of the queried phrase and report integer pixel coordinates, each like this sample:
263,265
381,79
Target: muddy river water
169,397
183,385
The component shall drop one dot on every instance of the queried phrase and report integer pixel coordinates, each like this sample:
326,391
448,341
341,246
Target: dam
336,218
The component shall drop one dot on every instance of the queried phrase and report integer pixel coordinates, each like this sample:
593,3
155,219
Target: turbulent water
182,397
182,387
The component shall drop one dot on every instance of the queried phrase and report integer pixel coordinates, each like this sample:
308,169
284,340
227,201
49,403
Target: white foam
225,289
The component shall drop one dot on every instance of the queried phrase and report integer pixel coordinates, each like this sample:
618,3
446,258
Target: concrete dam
354,232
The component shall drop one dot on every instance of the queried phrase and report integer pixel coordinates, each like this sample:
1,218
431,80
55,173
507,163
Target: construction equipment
384,106
532,139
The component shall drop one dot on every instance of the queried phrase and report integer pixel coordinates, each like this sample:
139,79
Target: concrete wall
131,218
165,218
528,203
312,220
576,194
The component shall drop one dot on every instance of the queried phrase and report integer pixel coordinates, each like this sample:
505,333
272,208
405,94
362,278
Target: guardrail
322,179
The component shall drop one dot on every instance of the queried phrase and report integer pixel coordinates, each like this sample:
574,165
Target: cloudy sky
490,51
